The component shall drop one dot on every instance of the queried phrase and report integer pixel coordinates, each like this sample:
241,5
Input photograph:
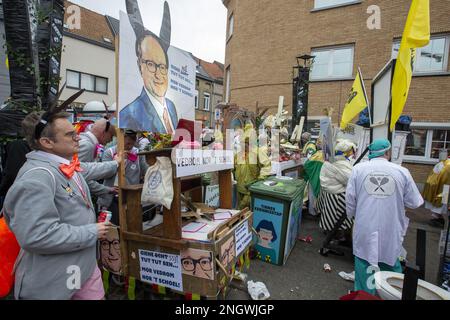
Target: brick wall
269,34
419,172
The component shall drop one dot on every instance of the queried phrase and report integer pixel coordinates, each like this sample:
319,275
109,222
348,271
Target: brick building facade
265,36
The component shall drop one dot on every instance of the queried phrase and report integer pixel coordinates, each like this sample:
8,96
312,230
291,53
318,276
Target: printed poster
198,263
267,221
110,252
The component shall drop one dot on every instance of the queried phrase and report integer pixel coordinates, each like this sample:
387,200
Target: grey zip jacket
55,227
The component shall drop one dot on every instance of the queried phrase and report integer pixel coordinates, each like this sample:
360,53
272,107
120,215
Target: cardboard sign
195,161
159,268
228,251
243,237
398,146
326,133
110,252
212,195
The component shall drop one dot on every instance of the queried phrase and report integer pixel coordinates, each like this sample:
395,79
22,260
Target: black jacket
15,158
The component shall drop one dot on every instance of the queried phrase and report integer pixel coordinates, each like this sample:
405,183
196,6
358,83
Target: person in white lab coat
376,195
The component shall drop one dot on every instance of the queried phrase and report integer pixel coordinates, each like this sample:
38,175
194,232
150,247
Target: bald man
91,142
377,193
151,111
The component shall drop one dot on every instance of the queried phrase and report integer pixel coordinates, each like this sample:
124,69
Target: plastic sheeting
11,123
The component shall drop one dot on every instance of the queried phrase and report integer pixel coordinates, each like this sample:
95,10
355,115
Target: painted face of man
154,67
198,264
110,252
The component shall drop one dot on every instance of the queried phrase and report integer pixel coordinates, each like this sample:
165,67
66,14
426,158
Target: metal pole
409,291
421,245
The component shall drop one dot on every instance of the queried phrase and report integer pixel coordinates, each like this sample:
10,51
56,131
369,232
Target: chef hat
378,148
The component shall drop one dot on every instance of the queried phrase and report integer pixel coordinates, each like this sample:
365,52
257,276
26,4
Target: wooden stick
121,176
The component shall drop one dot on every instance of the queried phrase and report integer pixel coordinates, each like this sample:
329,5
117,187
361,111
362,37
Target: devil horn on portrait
166,28
133,10
134,14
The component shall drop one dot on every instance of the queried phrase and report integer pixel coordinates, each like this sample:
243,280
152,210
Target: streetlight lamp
300,89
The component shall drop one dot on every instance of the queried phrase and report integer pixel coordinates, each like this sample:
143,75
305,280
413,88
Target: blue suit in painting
141,115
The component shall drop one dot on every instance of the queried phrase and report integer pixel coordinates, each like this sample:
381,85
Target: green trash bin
277,207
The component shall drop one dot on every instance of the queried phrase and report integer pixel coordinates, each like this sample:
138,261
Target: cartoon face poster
267,221
110,252
197,263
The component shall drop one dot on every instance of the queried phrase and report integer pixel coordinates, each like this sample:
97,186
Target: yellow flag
415,35
356,102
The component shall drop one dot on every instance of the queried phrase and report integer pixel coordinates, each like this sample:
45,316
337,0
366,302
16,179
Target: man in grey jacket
49,210
91,141
135,168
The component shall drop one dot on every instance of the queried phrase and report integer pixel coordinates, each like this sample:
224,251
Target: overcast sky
198,26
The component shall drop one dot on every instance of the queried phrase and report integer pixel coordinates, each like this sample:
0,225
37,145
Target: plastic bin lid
283,189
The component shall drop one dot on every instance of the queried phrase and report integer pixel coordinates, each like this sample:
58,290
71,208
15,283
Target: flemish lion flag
415,35
356,102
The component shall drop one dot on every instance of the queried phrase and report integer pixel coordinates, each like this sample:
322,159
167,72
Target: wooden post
225,189
172,218
121,174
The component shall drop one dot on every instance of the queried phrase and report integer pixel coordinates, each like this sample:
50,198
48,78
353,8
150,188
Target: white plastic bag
158,187
258,290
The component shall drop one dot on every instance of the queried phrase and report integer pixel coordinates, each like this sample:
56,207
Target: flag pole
365,95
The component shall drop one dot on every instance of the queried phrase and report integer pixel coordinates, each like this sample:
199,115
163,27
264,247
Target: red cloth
9,248
359,295
69,169
193,128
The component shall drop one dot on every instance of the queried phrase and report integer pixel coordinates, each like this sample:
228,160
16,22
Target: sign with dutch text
160,268
243,237
196,161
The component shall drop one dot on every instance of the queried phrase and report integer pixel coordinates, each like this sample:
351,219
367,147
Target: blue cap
378,148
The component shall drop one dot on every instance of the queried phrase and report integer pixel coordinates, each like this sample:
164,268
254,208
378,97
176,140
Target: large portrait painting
156,80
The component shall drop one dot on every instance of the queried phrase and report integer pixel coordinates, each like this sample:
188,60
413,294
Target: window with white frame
424,144
206,99
332,63
92,83
228,82
322,4
73,79
230,25
433,58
